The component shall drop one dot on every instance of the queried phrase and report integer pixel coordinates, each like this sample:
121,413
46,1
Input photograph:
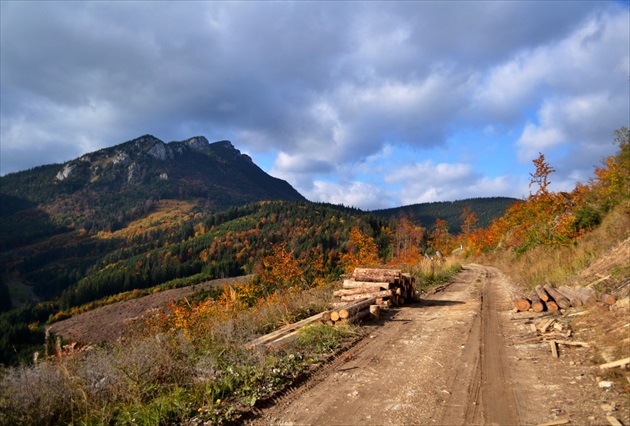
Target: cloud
325,86
353,194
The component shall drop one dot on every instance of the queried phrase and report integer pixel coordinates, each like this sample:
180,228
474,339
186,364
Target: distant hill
110,187
425,214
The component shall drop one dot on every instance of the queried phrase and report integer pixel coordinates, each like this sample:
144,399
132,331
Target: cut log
608,299
537,304
554,348
355,317
349,284
522,304
334,315
551,306
359,290
560,300
585,290
542,293
618,363
377,275
384,303
382,293
585,298
375,311
356,307
571,295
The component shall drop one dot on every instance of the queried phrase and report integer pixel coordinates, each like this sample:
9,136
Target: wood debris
551,299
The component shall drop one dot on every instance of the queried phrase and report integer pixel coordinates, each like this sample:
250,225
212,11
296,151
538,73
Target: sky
367,104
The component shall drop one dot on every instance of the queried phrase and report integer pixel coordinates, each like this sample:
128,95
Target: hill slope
425,214
109,187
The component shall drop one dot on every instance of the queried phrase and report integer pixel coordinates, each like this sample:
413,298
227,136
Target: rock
605,384
65,172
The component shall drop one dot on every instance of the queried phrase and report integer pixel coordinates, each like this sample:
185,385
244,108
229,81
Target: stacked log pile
363,295
548,298
388,286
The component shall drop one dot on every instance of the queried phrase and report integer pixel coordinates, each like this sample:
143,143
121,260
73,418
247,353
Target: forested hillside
425,214
145,214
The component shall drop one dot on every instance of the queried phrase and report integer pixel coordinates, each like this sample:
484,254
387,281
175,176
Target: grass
559,265
433,273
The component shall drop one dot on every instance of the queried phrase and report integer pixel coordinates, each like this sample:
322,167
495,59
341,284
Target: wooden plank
283,331
554,348
545,326
618,363
613,421
555,422
572,343
284,340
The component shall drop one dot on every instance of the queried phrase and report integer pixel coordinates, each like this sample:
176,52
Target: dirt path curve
440,362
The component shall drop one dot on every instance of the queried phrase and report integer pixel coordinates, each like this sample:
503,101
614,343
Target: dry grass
560,265
168,377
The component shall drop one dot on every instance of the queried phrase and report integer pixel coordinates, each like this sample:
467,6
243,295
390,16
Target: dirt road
450,360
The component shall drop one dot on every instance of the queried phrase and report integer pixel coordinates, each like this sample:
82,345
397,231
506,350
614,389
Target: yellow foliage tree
361,251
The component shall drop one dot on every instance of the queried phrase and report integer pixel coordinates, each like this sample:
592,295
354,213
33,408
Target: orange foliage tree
440,238
612,178
361,251
407,239
280,270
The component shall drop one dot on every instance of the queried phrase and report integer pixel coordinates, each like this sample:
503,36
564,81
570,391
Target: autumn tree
361,251
407,239
440,237
540,177
612,178
279,270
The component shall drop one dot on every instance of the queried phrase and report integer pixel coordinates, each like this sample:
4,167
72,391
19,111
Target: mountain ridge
117,181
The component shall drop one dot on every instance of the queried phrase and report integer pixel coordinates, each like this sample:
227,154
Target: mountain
110,187
425,214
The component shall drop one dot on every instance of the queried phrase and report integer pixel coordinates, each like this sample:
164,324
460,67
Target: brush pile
548,298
